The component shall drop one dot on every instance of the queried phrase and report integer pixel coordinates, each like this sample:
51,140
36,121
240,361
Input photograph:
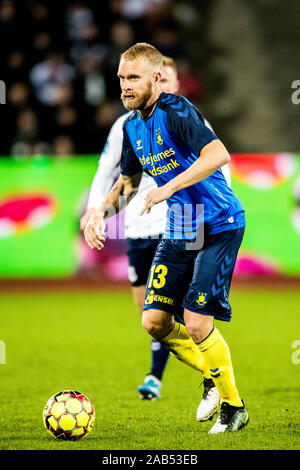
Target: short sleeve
130,165
188,125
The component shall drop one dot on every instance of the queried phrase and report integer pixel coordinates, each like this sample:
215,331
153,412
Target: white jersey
136,226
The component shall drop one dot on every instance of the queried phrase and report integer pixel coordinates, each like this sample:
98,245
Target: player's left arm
189,126
211,158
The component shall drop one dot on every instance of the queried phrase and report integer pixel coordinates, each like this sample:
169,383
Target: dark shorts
198,280
140,254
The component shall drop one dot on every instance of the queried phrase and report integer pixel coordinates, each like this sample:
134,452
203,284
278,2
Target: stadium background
236,63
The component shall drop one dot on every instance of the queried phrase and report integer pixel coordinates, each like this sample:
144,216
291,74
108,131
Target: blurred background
237,62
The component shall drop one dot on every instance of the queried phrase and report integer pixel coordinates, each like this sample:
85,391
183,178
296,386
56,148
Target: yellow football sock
217,356
181,345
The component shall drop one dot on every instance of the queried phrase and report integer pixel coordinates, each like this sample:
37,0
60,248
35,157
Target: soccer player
142,233
193,264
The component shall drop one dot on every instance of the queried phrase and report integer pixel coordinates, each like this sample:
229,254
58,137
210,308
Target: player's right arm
120,195
108,169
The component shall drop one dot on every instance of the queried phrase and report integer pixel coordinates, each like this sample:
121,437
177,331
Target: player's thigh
169,276
208,293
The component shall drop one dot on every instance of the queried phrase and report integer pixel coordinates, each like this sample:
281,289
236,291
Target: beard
138,101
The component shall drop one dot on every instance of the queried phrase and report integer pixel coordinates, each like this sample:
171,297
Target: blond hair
169,62
143,49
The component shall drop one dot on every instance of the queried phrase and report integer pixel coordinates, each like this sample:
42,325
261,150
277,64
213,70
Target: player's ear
156,77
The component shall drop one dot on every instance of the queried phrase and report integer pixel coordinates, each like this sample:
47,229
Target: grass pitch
93,342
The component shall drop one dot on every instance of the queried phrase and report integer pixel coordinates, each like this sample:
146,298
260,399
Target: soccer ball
68,415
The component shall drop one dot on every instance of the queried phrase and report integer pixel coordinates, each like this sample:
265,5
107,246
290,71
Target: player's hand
155,196
84,219
94,232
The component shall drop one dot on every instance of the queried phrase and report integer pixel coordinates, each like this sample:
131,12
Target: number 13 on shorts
157,292
157,277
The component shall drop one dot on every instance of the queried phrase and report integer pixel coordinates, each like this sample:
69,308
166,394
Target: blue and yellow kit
165,145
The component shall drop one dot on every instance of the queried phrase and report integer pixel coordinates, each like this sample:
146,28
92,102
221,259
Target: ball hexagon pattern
68,415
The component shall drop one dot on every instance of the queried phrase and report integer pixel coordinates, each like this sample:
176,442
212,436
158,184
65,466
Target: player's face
138,83
168,82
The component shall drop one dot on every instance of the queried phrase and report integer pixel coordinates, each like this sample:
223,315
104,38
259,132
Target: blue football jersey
165,145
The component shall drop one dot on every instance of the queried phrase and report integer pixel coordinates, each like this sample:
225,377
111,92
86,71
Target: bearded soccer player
142,233
190,277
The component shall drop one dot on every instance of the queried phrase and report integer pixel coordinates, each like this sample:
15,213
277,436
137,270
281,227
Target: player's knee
150,325
155,323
